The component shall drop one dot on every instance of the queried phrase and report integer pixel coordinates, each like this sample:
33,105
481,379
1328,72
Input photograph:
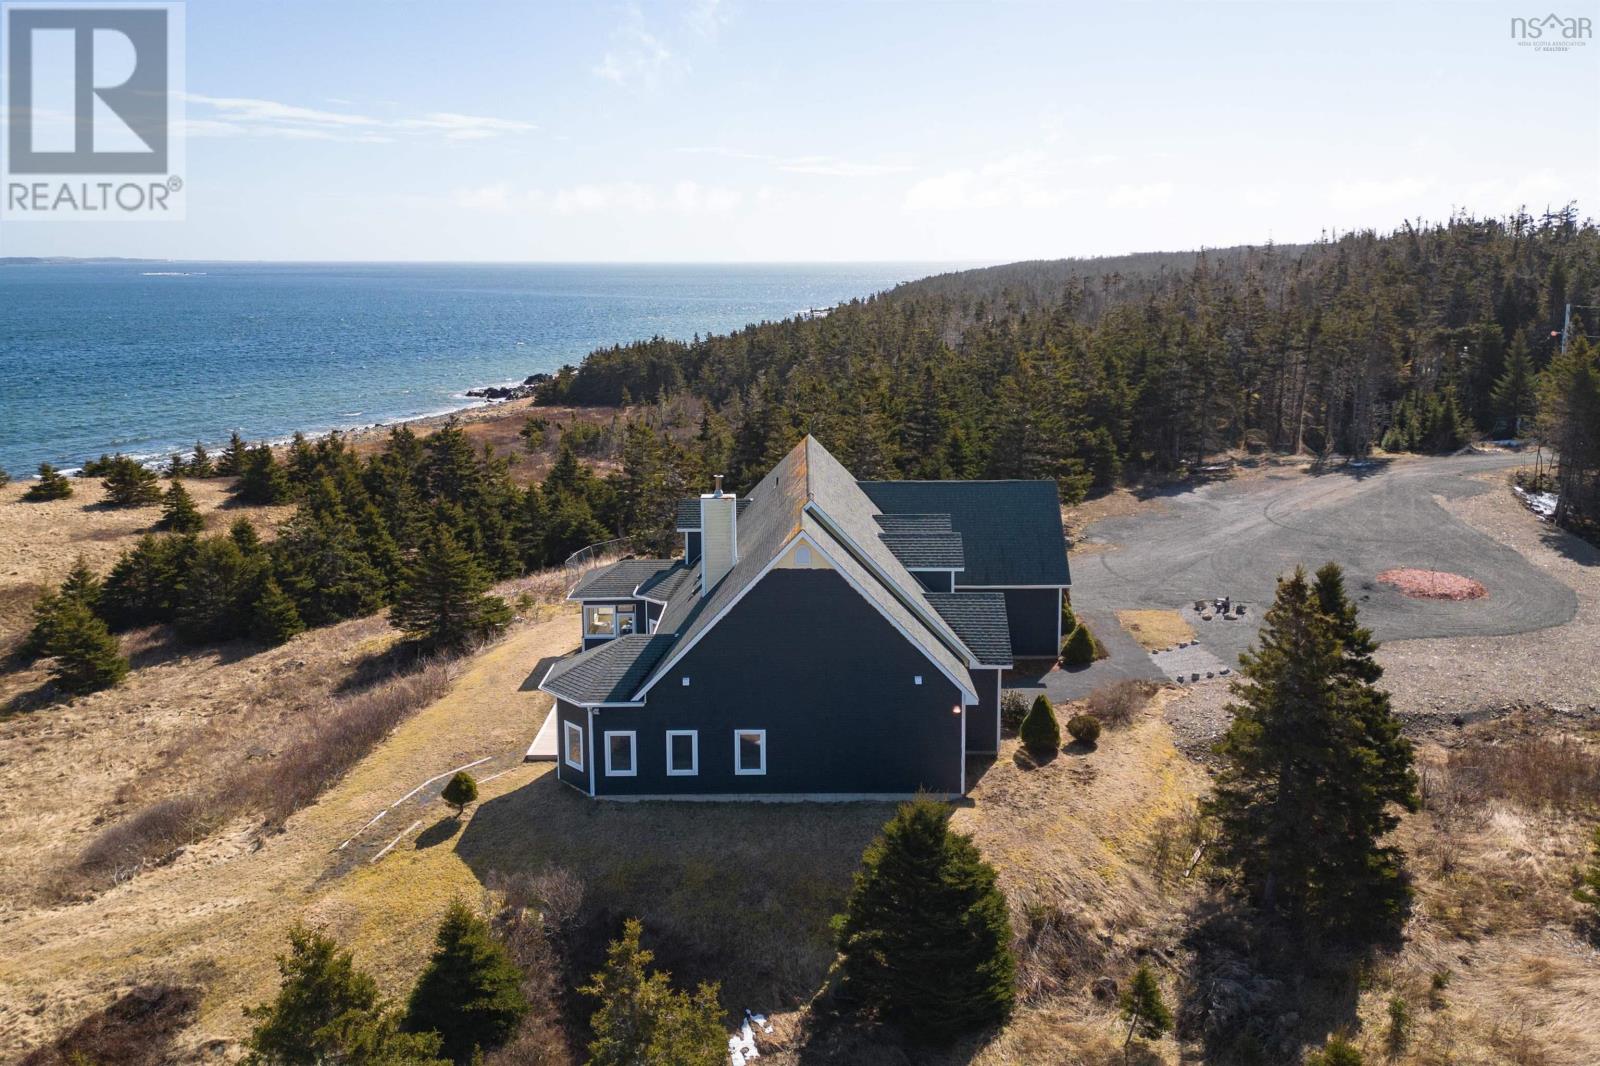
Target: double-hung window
622,750
749,751
683,753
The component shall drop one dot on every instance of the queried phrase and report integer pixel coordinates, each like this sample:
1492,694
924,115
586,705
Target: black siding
566,712
691,546
935,580
983,721
1034,616
806,658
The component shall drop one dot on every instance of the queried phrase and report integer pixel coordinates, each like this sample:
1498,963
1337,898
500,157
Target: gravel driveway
1234,538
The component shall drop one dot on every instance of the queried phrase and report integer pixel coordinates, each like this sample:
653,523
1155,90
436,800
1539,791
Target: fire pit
1432,584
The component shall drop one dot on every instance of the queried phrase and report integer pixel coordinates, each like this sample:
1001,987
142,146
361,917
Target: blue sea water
145,358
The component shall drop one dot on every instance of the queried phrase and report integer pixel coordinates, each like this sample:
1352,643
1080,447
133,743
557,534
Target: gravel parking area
1235,538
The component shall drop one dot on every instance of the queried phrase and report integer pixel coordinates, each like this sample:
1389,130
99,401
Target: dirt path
218,914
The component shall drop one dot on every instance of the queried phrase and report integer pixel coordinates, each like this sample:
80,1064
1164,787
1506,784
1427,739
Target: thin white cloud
637,58
1023,180
1153,194
1371,193
821,165
590,198
707,17
237,116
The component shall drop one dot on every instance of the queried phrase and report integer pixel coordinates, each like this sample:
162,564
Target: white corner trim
591,774
968,696
928,617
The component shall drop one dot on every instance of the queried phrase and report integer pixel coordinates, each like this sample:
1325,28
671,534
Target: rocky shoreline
525,391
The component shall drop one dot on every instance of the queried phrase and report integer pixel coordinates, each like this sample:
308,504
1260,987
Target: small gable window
620,754
802,555
749,751
683,753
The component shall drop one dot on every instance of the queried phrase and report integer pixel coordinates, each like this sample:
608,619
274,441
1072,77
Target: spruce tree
441,601
1513,392
51,485
200,462
1040,731
643,1019
261,477
176,467
86,655
1143,1008
320,564
1312,766
82,585
144,586
219,592
231,462
273,617
327,1011
128,483
178,512
243,533
470,993
926,936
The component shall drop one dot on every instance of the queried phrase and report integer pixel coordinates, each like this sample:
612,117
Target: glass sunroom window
600,621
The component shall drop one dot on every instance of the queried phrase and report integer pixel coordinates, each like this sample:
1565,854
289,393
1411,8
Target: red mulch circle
1432,584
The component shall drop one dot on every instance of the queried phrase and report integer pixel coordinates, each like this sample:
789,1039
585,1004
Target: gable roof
667,584
1010,530
619,580
926,551
688,512
610,673
809,492
979,619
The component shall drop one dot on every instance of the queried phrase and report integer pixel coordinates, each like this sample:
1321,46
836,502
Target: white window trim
567,729
694,752
633,752
740,771
589,632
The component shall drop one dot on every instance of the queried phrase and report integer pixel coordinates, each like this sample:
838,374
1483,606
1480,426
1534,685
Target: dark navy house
821,638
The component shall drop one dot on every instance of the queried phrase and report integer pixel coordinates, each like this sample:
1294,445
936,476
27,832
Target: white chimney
719,536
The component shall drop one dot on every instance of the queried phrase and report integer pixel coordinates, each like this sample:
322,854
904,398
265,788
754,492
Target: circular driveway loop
1235,538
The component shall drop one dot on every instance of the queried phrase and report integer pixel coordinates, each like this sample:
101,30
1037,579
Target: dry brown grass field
1097,849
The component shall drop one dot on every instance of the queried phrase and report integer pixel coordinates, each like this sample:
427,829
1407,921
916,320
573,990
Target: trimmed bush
1069,620
1078,648
1084,728
1041,732
461,790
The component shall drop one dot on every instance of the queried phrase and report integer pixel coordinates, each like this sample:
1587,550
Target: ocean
145,358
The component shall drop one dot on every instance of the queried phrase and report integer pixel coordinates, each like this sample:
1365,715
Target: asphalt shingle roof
617,581
667,584
914,523
926,551
979,619
689,512
610,673
1010,530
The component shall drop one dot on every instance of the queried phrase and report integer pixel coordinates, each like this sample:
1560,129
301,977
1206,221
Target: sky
781,130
